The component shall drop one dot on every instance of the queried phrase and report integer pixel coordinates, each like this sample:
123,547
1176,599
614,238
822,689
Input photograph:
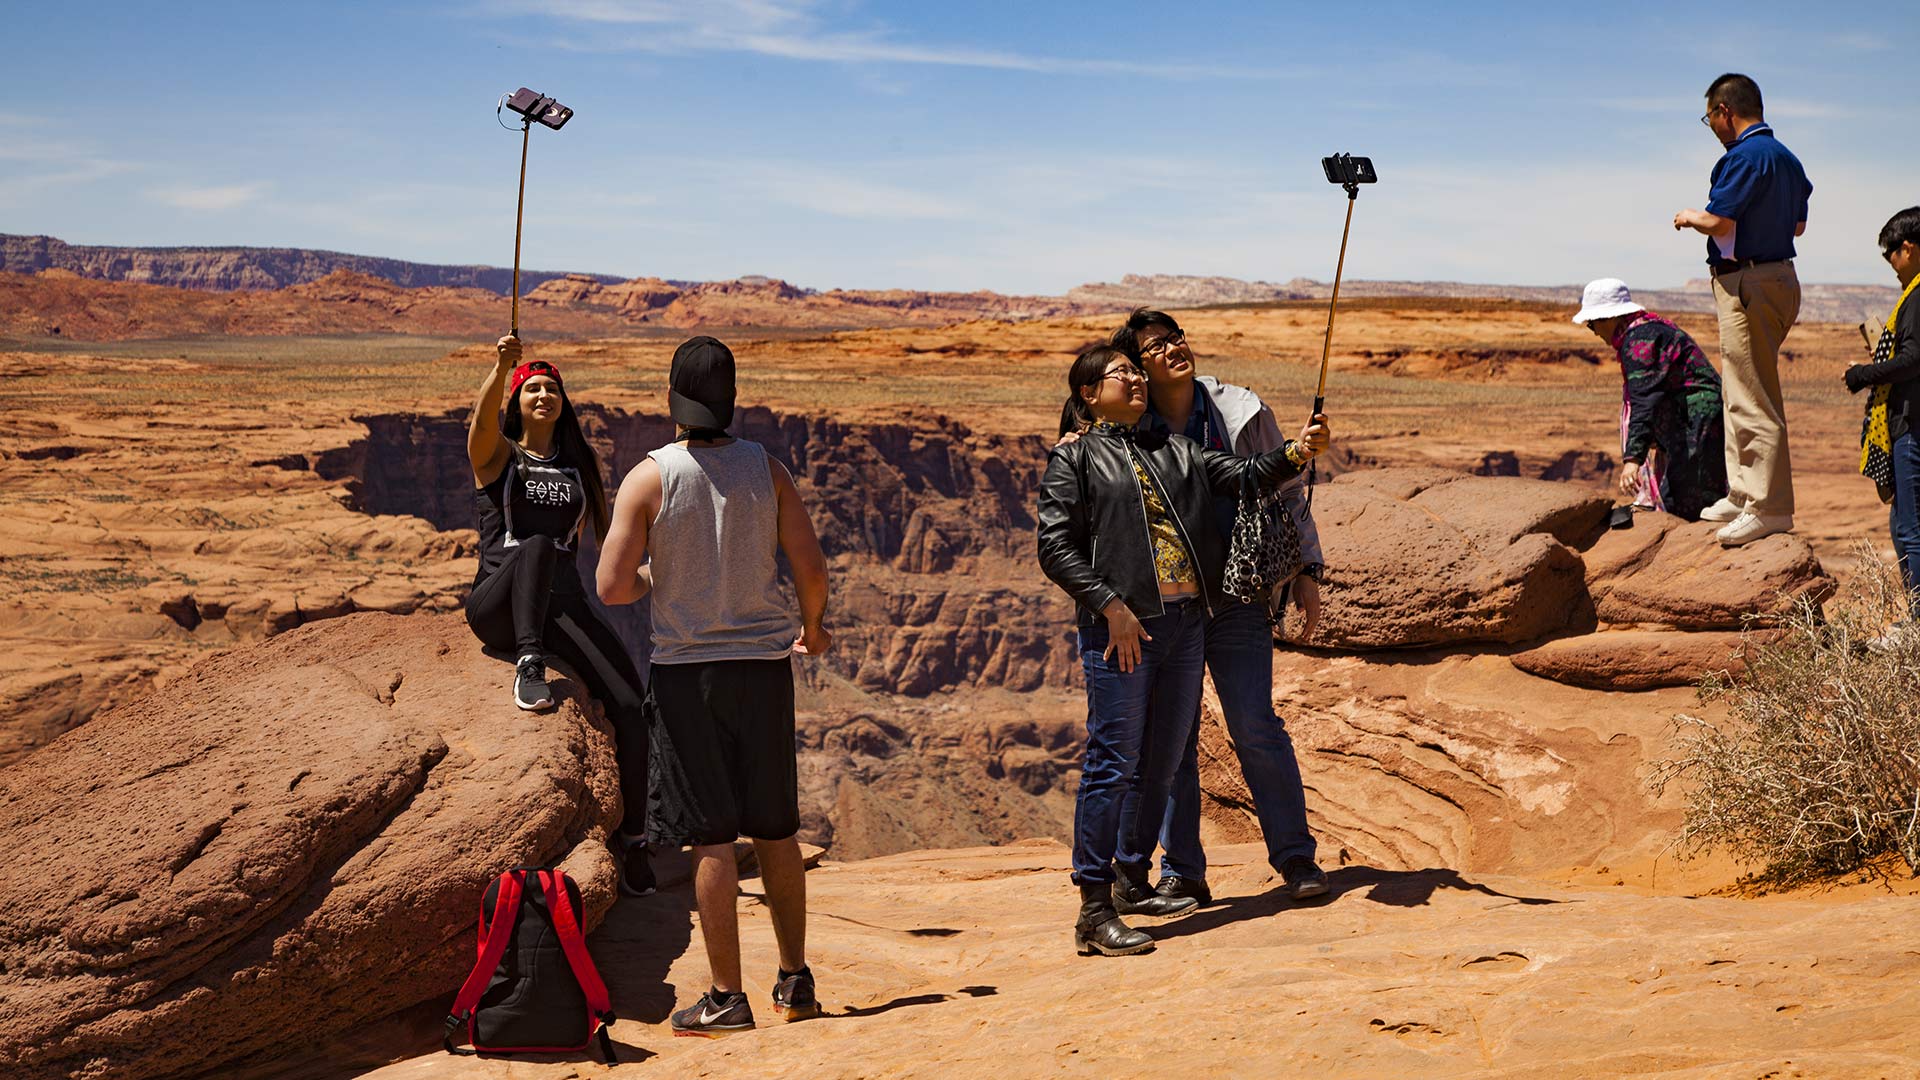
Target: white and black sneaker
530,683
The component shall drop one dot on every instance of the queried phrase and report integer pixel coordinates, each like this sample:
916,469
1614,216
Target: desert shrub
1816,771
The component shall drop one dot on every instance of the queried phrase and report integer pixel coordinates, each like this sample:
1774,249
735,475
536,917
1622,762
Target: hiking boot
714,1015
1132,897
793,996
530,683
1749,527
1305,880
1180,888
1724,510
1100,931
636,870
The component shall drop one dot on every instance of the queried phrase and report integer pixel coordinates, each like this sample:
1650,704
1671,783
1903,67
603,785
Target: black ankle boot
1131,896
1100,930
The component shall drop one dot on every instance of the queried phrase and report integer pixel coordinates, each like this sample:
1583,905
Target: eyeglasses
1161,346
1707,117
1125,374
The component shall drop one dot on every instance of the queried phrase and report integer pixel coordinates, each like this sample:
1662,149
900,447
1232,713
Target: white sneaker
1750,527
1724,510
1897,637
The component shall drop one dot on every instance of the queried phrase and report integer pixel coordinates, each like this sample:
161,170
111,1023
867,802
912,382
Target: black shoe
636,870
1178,887
530,684
793,996
1305,880
714,1015
1132,897
1100,931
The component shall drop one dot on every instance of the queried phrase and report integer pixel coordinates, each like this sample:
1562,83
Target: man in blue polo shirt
1757,205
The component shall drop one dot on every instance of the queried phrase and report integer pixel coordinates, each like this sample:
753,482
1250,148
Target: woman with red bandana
536,484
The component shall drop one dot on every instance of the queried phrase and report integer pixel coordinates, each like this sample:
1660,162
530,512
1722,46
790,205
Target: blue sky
1022,147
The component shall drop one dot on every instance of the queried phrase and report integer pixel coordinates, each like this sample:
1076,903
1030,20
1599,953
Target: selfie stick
1326,345
529,105
519,213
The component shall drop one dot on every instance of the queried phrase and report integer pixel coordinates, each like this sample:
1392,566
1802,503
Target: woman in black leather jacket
1127,529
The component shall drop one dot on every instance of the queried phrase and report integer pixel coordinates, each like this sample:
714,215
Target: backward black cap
700,384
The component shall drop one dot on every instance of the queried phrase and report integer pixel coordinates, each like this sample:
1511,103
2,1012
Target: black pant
516,608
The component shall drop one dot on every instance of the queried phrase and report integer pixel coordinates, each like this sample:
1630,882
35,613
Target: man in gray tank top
712,511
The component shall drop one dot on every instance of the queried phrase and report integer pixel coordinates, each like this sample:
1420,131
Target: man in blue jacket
1757,206
1239,644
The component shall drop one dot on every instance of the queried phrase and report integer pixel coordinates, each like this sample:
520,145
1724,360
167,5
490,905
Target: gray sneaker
714,1015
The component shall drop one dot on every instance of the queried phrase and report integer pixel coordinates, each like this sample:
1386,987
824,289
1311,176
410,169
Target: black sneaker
714,1015
1305,880
530,684
636,870
793,996
1177,887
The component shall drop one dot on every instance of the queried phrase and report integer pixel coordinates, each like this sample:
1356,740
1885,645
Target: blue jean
1137,724
1240,655
1905,516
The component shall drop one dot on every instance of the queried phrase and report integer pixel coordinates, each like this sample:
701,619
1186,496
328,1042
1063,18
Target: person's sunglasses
1162,346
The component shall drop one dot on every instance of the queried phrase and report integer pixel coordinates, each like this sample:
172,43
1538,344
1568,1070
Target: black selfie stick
529,105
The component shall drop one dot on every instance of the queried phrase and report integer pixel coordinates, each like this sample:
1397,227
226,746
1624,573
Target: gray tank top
715,596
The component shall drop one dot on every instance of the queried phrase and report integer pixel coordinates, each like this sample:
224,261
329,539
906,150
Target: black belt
1716,267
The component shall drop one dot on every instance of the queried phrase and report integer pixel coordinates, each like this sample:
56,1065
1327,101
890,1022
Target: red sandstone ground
171,498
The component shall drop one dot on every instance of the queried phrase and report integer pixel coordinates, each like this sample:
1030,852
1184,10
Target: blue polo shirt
1761,186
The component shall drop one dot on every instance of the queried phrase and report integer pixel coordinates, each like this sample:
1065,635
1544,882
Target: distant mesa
236,268
1818,303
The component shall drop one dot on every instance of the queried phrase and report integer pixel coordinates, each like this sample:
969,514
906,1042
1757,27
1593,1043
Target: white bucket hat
1605,298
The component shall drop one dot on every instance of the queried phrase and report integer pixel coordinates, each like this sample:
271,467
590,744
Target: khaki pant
1756,305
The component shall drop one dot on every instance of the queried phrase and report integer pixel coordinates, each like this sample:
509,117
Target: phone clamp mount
529,105
1349,172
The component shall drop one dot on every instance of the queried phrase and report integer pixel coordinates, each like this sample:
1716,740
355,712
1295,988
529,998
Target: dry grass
1816,772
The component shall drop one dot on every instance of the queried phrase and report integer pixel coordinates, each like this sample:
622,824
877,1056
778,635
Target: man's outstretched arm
620,578
809,564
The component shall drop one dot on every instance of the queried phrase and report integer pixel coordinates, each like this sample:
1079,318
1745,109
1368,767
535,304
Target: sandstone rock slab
1688,581
1421,557
285,842
1636,659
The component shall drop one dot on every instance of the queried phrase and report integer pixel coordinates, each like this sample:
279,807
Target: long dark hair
1087,370
573,446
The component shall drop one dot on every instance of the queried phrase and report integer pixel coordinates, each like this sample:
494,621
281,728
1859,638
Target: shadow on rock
636,946
1410,888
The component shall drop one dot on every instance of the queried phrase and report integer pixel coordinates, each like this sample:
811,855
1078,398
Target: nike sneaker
714,1015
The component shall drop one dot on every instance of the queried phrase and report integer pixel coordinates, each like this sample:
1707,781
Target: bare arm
1701,221
486,450
620,578
809,564
1799,228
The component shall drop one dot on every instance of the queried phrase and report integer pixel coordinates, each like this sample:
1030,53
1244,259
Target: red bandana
528,370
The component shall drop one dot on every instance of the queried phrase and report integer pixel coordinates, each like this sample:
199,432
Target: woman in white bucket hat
1671,441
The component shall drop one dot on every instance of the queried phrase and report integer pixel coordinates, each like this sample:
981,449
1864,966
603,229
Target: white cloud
218,197
789,30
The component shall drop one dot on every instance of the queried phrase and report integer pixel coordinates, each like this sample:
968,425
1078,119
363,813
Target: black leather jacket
1093,517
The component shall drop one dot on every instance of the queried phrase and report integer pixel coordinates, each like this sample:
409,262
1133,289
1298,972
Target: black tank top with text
532,496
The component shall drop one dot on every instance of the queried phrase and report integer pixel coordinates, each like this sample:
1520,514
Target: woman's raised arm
486,450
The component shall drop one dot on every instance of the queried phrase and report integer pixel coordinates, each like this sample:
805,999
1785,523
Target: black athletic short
721,753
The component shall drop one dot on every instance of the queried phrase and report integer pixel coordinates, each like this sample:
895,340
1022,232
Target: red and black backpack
533,989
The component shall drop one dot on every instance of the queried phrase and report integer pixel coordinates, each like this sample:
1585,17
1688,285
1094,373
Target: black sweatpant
517,609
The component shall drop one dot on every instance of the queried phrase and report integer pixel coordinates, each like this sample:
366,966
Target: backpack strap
574,944
494,936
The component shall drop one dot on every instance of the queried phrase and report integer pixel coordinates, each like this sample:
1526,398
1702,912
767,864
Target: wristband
1296,452
1316,571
